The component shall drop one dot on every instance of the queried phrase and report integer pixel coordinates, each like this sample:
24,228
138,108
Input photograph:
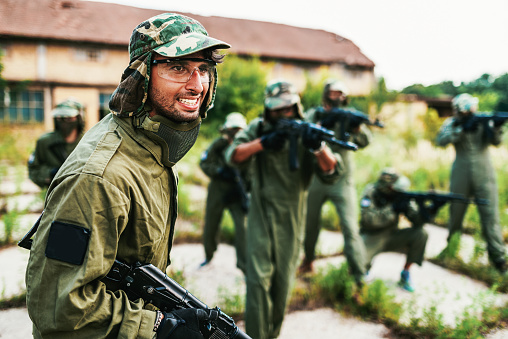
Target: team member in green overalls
379,223
54,147
342,193
227,190
472,173
278,204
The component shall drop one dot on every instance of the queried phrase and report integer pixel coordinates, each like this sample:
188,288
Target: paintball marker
429,203
295,128
348,119
153,286
487,120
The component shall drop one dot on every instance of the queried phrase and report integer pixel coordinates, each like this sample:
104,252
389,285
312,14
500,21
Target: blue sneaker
405,281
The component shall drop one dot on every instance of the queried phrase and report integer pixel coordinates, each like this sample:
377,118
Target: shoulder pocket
67,242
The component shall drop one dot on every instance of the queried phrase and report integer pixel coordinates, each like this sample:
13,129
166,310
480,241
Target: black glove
226,173
311,139
400,205
328,122
274,141
184,323
469,124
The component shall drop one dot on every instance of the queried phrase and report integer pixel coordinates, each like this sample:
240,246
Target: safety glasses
182,69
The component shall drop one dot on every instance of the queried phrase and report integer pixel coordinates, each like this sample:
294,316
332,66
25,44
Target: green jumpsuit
473,175
274,228
51,150
343,196
114,191
224,191
379,227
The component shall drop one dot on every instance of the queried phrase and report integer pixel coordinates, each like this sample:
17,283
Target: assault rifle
471,122
295,128
153,286
429,203
348,119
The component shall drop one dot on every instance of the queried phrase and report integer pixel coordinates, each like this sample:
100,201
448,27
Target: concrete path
449,292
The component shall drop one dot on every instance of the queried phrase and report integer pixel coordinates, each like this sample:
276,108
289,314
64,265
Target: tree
240,88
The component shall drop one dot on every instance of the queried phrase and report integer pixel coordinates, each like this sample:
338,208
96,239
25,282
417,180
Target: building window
104,104
89,54
21,106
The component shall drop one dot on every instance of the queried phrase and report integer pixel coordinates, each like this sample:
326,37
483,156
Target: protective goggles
182,69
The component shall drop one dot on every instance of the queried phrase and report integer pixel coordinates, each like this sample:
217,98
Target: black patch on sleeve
67,243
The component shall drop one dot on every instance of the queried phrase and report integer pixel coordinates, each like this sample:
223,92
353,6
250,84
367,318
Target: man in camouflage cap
116,195
53,148
343,192
277,210
473,174
379,223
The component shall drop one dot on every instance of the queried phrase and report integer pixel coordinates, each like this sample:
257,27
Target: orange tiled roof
105,23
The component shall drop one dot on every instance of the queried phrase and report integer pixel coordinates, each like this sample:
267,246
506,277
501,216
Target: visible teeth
188,101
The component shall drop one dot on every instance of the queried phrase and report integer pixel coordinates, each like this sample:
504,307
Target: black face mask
66,127
175,139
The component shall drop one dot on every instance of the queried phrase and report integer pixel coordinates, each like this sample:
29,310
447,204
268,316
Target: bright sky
410,41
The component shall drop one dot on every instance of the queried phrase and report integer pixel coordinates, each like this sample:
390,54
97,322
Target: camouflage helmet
234,120
389,180
465,103
68,108
170,35
281,94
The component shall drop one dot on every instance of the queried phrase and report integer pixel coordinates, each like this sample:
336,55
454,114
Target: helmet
168,34
68,108
281,94
234,120
465,103
389,180
334,85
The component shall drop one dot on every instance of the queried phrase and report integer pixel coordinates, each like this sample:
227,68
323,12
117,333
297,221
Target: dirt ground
450,292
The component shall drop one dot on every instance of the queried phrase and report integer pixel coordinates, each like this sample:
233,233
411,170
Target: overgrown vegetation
334,287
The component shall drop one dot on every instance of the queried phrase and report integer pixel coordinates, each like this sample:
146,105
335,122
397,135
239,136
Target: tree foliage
240,88
492,92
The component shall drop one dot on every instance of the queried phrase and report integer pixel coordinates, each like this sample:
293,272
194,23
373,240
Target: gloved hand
310,139
184,323
328,122
469,124
400,205
274,141
226,173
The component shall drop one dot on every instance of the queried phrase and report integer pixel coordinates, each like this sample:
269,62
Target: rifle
295,128
430,202
149,283
488,120
347,118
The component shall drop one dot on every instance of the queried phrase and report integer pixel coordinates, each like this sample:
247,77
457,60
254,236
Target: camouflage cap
68,108
171,35
167,34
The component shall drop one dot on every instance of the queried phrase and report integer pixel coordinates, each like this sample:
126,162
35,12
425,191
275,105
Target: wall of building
85,72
